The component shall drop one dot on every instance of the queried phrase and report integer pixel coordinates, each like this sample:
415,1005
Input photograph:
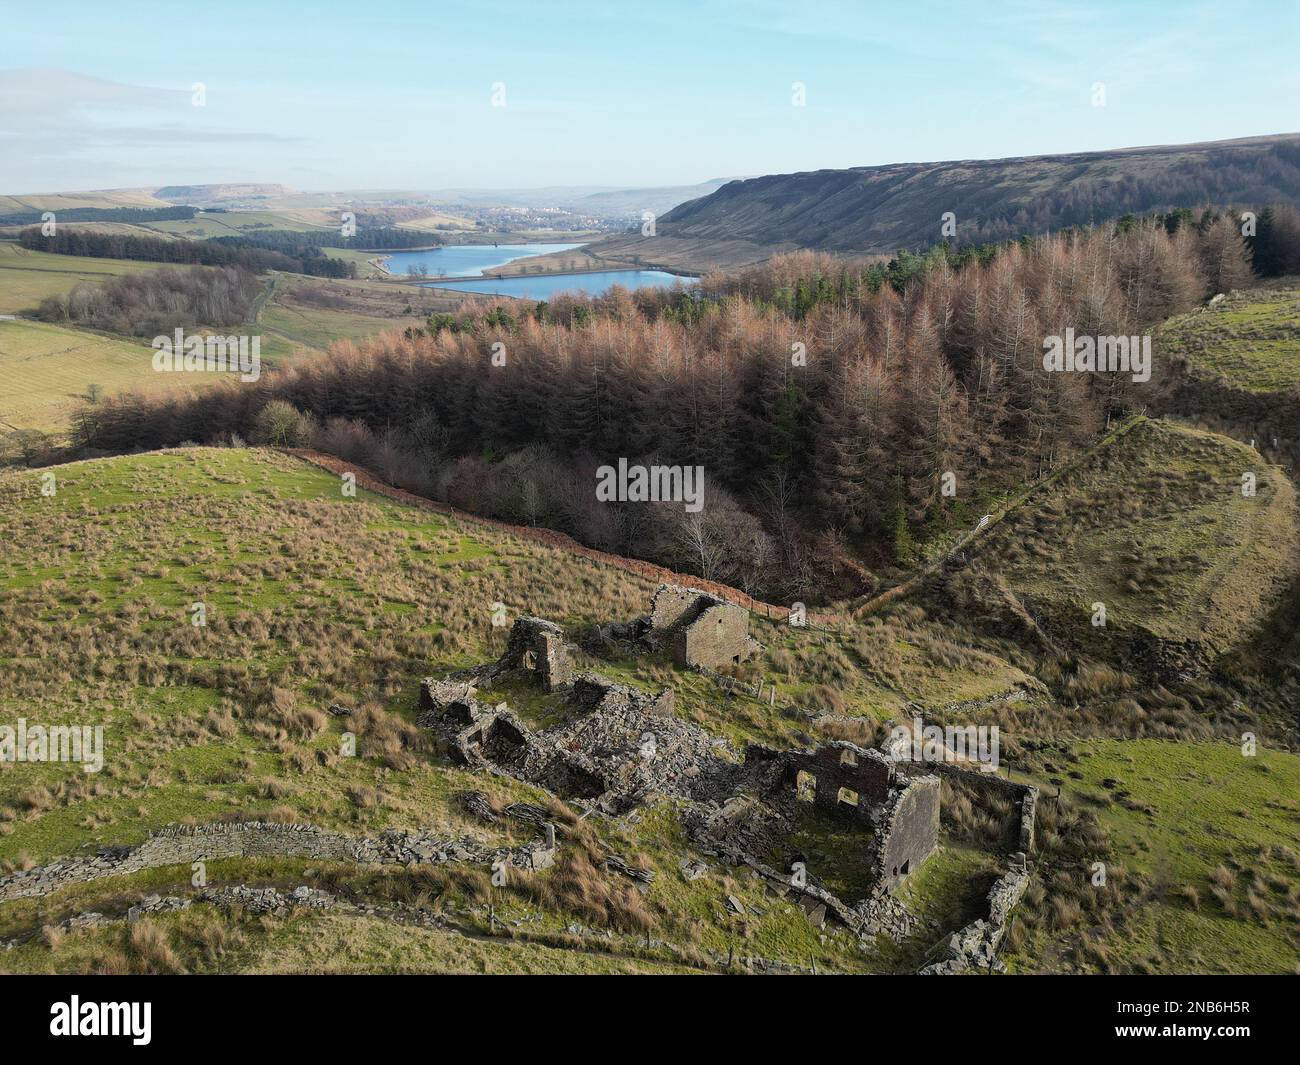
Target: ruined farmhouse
614,748
700,630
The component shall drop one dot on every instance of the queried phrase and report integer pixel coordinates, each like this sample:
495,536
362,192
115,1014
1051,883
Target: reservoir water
545,286
467,260
464,266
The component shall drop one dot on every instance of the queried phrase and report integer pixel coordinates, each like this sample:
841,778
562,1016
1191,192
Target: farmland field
46,371
27,277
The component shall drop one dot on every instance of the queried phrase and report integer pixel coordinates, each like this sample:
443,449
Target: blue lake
467,260
546,286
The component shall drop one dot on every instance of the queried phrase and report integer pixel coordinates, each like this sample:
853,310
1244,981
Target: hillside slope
314,598
1155,527
1238,362
879,209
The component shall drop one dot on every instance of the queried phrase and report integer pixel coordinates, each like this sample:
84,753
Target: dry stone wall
185,844
975,947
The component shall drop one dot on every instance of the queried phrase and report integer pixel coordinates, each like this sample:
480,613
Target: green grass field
27,277
246,223
1251,340
1215,837
317,325
1157,528
317,943
46,371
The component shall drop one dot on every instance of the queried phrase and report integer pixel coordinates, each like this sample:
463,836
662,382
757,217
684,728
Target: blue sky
399,94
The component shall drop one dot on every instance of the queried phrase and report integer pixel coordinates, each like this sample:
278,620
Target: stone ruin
860,788
616,748
699,630
617,744
537,646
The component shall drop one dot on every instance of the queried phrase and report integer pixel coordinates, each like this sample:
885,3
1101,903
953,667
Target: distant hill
601,201
64,201
604,201
879,209
204,195
631,202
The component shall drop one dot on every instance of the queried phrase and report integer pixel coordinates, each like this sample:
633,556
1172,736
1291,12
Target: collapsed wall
975,947
839,778
619,746
186,844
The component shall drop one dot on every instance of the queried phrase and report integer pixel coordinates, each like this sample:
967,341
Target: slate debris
620,865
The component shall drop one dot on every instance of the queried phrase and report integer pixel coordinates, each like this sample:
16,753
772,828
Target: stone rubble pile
632,872
617,747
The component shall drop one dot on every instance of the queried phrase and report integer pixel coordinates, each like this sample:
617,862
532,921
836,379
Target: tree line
852,420
291,241
236,251
155,302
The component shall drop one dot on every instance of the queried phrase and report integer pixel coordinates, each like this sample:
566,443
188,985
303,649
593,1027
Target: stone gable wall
717,637
908,832
672,604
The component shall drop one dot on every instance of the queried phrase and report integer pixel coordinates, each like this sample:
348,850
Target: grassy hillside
48,369
27,277
313,598
46,372
66,201
1156,527
311,313
247,223
437,220
204,941
1249,341
1208,841
272,547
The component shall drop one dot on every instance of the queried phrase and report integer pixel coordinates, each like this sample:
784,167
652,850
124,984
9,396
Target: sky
504,94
